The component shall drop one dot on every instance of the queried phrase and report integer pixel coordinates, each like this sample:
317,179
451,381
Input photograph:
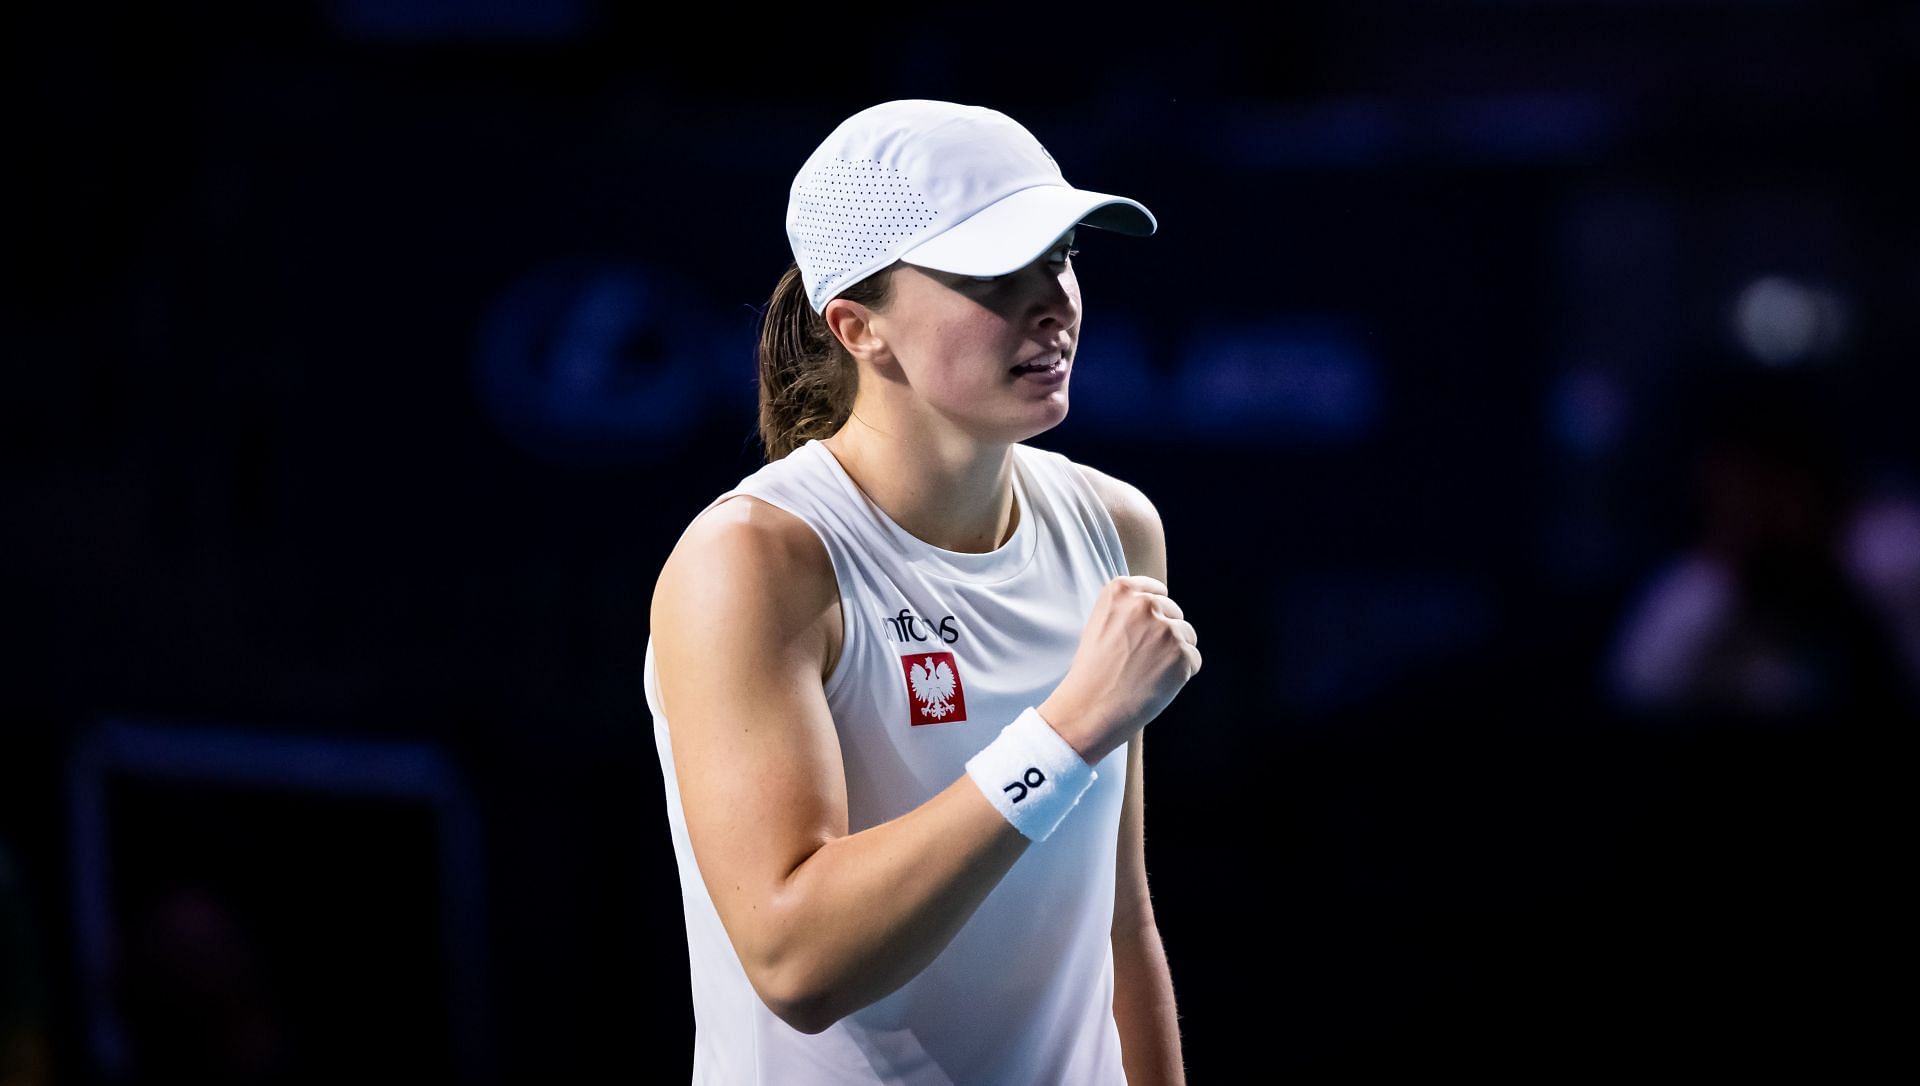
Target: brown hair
807,378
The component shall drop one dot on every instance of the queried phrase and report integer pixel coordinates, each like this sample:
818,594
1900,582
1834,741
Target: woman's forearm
1143,1007
865,913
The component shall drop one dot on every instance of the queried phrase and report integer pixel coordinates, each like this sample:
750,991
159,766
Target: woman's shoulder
753,559
1135,518
749,579
1114,493
1119,496
743,532
760,519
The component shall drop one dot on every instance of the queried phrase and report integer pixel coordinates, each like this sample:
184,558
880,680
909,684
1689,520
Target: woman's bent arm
1143,1002
824,922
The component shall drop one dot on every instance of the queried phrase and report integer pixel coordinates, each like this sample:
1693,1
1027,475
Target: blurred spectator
1798,596
1753,879
1883,556
23,1034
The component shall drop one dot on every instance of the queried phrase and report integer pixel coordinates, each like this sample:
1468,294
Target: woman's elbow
794,1000
808,1018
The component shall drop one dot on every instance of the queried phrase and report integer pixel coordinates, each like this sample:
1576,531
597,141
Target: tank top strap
1068,498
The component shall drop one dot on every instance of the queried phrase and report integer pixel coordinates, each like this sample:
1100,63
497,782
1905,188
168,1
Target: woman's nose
1050,296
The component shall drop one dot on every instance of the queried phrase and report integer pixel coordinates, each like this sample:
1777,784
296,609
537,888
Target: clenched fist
1135,654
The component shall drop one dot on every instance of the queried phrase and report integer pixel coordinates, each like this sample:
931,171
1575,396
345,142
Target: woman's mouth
1045,368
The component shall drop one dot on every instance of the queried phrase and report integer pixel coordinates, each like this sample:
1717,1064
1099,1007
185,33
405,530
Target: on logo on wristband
1034,779
1031,775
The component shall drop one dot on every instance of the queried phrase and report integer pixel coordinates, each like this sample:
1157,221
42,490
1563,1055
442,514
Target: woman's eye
1057,256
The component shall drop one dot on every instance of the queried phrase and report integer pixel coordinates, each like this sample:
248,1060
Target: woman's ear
852,324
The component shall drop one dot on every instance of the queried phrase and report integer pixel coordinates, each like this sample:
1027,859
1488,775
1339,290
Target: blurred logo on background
603,362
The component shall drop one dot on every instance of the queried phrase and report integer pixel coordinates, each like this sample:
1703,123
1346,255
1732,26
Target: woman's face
956,341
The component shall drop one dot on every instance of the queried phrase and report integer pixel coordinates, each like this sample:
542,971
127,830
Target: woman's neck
956,495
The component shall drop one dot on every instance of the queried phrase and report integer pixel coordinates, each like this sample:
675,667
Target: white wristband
1031,774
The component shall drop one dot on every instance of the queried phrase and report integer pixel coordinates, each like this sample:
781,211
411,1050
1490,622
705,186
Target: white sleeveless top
1024,993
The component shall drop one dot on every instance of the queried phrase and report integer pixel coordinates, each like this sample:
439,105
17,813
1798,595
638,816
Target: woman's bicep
737,625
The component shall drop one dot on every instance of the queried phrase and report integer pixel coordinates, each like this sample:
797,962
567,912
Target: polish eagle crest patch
933,688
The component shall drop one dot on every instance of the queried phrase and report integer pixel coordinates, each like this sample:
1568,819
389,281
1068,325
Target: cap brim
1010,234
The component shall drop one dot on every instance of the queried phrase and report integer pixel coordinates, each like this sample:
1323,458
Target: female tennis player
898,675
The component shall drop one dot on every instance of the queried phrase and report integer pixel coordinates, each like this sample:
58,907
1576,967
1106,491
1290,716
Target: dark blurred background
1527,390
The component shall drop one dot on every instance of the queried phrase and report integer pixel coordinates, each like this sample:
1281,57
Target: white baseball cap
961,189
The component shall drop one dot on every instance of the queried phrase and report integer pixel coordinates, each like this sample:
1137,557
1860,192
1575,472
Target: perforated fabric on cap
853,215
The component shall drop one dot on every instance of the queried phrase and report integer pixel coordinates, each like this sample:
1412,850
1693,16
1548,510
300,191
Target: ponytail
807,378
